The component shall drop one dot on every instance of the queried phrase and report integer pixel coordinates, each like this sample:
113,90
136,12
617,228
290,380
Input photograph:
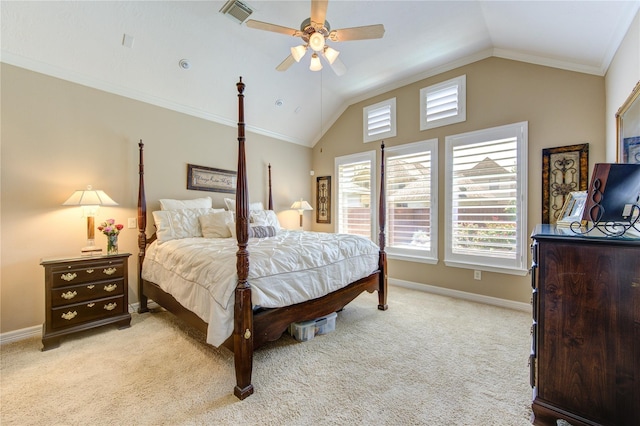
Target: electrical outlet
132,223
477,275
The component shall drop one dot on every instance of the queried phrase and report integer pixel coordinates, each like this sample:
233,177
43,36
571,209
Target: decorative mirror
628,128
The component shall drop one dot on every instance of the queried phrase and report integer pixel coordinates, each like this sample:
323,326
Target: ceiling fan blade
357,33
284,65
319,11
338,67
265,26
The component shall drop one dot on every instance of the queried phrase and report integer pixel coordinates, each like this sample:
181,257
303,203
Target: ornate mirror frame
628,128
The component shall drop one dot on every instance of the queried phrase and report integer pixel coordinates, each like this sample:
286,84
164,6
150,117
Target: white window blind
356,202
379,120
486,198
412,211
443,103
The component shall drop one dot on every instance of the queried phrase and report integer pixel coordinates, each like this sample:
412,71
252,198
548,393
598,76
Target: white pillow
196,203
175,224
264,218
231,205
214,225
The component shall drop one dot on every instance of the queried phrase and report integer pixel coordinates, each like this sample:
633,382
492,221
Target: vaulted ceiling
133,48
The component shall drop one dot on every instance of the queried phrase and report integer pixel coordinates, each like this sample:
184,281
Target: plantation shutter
379,120
484,199
442,103
409,207
354,198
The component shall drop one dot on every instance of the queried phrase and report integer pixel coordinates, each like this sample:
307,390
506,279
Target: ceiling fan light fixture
331,54
315,63
298,52
316,42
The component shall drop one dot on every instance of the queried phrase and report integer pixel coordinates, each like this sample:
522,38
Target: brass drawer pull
90,271
69,295
69,315
110,306
109,271
110,287
69,276
90,287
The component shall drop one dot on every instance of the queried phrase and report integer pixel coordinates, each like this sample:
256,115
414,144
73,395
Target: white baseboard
36,330
504,303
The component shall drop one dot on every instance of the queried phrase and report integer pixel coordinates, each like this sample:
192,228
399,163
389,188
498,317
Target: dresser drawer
72,274
71,315
89,291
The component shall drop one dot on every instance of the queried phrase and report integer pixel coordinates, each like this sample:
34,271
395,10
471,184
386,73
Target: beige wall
623,74
562,108
59,136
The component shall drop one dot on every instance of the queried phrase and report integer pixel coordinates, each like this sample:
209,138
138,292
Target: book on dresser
83,293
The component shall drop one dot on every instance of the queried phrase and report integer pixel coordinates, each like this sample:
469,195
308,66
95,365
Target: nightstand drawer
89,291
64,276
71,315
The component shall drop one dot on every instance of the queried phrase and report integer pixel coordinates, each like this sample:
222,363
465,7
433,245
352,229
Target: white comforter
289,268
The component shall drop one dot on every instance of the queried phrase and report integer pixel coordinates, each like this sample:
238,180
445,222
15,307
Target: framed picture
628,128
572,209
323,199
202,178
565,170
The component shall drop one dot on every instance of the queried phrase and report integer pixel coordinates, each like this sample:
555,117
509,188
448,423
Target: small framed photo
202,178
572,209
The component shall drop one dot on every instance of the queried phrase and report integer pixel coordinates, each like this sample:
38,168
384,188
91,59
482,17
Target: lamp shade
298,52
315,63
301,205
89,197
331,54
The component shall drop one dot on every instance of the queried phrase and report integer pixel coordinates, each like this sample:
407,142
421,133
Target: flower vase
112,244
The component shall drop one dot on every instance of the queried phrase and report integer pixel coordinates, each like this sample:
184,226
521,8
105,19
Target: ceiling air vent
236,10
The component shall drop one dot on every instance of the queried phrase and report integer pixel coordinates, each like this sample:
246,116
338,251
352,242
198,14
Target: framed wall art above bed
201,178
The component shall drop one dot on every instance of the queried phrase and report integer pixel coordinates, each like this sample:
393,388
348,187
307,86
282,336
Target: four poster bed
255,319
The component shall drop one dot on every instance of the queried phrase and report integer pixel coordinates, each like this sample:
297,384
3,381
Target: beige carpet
428,360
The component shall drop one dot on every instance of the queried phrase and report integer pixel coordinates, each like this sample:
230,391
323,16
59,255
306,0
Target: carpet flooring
428,360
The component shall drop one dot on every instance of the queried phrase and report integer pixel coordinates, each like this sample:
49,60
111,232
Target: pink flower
109,227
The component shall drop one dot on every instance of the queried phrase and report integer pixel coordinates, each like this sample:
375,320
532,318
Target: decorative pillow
196,203
231,205
215,225
175,224
264,218
256,231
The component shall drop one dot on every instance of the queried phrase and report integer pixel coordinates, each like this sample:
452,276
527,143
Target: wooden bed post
382,212
243,323
270,196
142,228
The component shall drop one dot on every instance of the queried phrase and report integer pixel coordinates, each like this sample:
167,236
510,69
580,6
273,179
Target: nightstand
83,293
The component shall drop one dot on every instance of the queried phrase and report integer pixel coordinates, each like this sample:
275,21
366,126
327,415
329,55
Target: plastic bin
307,330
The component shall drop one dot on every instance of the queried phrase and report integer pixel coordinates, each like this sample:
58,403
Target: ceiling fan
315,31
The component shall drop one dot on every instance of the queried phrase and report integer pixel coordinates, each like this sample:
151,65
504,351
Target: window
411,183
379,120
486,199
355,194
443,103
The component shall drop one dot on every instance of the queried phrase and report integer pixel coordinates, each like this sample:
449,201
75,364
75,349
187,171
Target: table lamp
301,206
90,200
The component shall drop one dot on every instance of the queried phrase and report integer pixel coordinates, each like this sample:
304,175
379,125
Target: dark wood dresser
585,354
83,293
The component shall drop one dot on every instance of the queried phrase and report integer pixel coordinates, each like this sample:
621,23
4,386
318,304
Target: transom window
379,120
443,103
